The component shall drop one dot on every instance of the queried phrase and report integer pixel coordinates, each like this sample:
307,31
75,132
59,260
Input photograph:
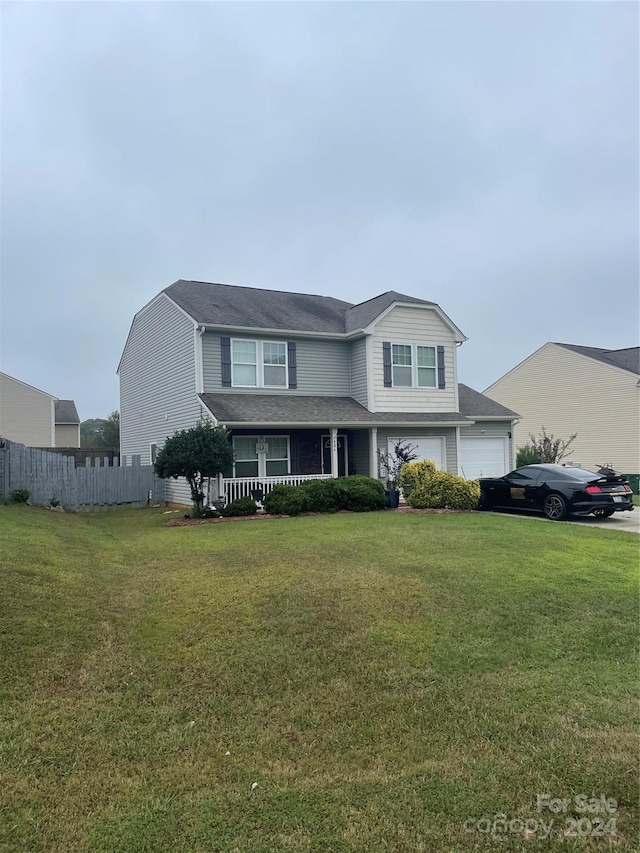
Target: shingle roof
281,409
66,412
474,404
361,315
230,305
627,358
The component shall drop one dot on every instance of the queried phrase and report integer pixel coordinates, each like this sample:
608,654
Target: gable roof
473,404
66,412
627,358
251,307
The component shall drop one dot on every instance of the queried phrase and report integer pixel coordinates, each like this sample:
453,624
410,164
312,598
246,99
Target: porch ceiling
306,411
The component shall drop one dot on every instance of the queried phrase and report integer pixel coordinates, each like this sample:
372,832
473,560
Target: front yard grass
382,677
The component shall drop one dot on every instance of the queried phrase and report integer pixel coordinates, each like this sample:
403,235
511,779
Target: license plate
618,499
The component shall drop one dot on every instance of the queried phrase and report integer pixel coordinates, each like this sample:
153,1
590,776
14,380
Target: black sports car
557,491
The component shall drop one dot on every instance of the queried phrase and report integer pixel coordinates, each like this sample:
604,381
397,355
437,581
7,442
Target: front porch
270,457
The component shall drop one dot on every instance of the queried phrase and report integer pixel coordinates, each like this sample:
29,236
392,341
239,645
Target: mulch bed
189,522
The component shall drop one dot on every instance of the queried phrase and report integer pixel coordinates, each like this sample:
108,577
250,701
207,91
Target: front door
343,455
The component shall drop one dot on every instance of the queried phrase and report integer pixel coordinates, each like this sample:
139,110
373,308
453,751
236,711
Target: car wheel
603,513
555,507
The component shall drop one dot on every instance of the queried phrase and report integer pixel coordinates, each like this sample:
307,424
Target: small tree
526,455
391,463
195,454
550,449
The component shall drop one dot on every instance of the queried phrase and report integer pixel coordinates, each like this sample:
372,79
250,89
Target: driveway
627,521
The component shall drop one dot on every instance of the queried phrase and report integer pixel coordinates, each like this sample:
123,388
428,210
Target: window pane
244,374
274,469
244,351
275,376
426,356
274,353
427,377
277,447
245,447
246,469
401,354
402,377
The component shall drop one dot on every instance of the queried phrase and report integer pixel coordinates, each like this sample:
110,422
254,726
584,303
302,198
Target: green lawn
382,677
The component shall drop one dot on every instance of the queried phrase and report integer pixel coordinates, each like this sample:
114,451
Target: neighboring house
590,391
35,418
310,386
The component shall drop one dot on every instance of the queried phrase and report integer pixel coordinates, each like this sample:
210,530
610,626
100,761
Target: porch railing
241,487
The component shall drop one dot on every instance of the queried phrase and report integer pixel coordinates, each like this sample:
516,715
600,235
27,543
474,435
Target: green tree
551,449
101,432
526,455
195,454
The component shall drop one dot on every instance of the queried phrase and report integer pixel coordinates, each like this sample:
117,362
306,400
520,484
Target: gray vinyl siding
157,384
359,458
359,371
490,429
26,414
449,434
324,367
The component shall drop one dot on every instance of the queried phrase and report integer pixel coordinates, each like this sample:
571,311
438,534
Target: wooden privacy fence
52,477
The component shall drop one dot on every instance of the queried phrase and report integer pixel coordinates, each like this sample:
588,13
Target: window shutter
225,354
386,362
293,364
441,382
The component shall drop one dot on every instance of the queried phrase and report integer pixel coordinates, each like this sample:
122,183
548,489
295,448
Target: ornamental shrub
19,496
362,494
242,506
413,473
324,495
285,500
440,490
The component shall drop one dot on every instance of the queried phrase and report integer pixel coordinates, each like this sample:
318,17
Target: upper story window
258,364
413,366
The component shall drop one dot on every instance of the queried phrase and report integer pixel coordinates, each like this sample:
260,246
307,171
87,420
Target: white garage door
483,457
426,448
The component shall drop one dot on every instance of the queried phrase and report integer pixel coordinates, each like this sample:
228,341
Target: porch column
373,453
334,452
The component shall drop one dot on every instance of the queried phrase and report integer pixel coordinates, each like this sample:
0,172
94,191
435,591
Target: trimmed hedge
284,500
413,473
357,494
242,506
363,494
441,490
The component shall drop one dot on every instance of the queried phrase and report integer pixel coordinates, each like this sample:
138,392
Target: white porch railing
241,487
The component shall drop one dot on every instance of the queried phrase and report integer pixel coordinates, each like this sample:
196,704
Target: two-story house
309,386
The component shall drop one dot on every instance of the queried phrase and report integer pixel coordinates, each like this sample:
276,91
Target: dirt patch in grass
189,522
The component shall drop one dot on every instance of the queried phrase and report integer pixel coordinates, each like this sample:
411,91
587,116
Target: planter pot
393,499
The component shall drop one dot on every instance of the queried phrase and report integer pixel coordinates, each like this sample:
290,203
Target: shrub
362,494
527,455
414,472
442,490
19,496
324,495
285,500
242,506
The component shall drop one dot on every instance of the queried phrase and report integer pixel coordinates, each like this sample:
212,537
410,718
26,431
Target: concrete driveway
627,521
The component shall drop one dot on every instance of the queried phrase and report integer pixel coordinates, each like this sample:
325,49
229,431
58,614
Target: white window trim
260,383
262,457
153,444
414,366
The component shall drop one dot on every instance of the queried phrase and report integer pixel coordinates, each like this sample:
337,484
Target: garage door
483,457
426,448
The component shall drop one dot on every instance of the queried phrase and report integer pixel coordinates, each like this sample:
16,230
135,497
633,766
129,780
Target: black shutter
293,364
441,382
386,362
225,356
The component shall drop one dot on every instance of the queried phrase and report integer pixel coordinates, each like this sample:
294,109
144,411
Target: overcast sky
484,156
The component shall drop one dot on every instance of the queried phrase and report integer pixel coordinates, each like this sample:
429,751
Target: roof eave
460,337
